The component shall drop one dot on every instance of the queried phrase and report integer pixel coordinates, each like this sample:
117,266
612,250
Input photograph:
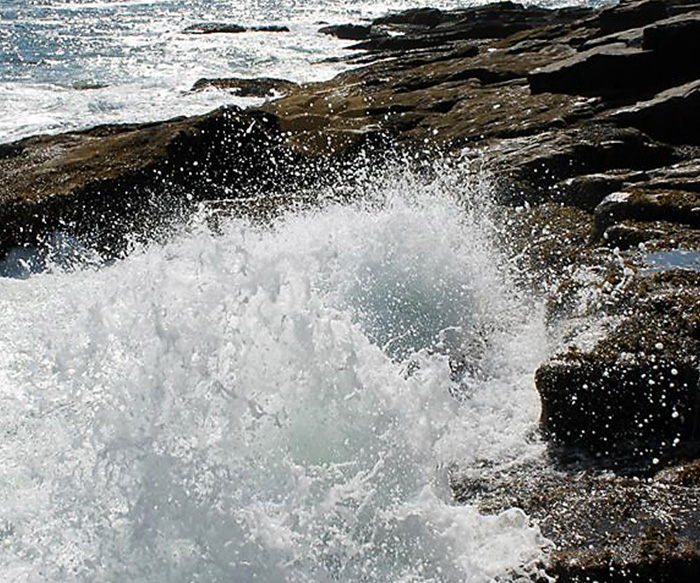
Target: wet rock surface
353,31
631,401
258,87
225,28
586,122
604,527
110,184
673,115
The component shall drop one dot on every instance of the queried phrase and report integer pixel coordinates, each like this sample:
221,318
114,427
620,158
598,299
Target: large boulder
679,35
647,204
352,31
672,116
632,399
612,70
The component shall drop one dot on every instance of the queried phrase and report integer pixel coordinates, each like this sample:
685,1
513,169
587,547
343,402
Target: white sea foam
148,75
271,403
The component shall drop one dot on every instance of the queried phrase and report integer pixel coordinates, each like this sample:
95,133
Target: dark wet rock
223,28
353,31
628,15
591,72
88,85
214,28
633,38
658,207
679,35
419,17
631,398
531,170
10,150
627,234
628,56
259,87
644,204
587,191
672,116
605,528
651,236
269,28
627,408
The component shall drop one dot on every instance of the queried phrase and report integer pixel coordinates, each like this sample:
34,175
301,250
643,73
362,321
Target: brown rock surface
672,115
617,529
352,31
226,28
260,87
104,184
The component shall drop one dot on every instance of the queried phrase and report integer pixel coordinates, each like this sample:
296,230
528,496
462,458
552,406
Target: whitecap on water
272,403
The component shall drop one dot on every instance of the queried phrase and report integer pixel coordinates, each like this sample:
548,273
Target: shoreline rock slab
672,116
224,28
353,31
108,183
258,87
616,529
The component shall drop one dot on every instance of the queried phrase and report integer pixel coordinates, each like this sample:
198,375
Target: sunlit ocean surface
73,63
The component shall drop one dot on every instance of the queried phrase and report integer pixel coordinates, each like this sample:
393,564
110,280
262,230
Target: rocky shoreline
588,122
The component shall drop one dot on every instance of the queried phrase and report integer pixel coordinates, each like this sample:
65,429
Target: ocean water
68,64
279,403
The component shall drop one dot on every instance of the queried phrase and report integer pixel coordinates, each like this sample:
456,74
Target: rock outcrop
353,31
106,185
587,123
214,28
224,28
618,529
258,87
672,115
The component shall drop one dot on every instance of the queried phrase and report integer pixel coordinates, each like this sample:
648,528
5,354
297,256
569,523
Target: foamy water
278,403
